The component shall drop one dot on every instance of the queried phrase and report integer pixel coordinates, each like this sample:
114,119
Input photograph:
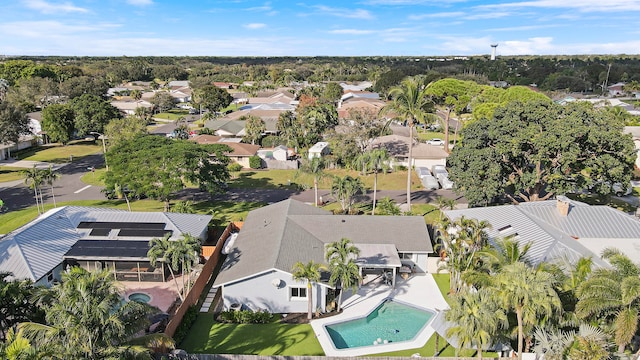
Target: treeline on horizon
580,73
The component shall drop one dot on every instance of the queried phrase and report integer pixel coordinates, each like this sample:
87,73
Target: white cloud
254,26
488,15
52,8
140,2
436,15
524,27
351,32
345,13
581,5
50,29
412,2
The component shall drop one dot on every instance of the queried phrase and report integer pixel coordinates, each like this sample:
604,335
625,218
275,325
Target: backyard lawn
172,115
274,179
210,337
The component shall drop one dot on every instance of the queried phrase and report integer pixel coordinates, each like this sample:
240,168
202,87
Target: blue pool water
391,321
140,297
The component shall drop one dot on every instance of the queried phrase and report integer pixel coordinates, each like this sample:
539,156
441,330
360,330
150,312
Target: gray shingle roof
279,235
553,235
33,250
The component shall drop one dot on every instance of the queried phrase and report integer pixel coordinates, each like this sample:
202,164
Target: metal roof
279,235
35,249
584,231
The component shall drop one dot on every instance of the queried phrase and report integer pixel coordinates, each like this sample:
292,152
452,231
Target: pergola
379,256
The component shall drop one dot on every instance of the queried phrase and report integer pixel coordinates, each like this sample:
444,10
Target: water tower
493,51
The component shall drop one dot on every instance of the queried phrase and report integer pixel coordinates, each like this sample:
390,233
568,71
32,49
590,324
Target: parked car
436,142
422,171
429,182
439,171
445,182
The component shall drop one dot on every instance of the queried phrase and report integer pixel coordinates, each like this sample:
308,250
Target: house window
298,293
405,256
50,277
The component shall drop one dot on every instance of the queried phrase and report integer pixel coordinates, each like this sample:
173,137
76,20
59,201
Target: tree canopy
57,122
158,167
13,123
92,113
213,98
534,150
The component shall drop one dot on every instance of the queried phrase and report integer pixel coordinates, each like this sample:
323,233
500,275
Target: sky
318,28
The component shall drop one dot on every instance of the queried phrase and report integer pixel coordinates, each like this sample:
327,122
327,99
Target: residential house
616,89
257,272
560,229
319,149
181,94
282,97
233,123
94,238
240,152
26,140
423,155
361,86
129,107
366,105
279,157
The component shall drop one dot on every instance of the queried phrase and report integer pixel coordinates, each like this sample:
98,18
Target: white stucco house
257,272
319,149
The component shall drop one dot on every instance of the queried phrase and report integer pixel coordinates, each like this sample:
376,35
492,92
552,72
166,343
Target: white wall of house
428,163
259,292
416,260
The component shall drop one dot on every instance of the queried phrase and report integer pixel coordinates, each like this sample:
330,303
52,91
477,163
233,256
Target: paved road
70,188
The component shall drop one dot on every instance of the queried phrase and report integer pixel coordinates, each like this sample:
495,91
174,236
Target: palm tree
309,272
503,252
49,177
136,94
410,102
33,178
188,248
527,292
341,256
162,250
375,160
613,295
477,317
314,167
85,318
344,190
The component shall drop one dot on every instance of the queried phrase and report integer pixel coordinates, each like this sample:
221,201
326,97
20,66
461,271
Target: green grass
9,173
292,179
443,284
57,153
172,115
94,178
210,337
431,213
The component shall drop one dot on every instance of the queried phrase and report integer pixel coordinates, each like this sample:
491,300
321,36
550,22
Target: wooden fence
205,275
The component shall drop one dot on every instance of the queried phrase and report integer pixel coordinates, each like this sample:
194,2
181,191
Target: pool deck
419,290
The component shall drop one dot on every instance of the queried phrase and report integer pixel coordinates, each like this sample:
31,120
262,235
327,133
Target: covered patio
379,260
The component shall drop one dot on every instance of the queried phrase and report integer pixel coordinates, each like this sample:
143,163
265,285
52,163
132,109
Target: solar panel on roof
108,248
99,232
144,232
120,225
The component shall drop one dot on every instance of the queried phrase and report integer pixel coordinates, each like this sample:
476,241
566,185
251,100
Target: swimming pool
389,322
139,297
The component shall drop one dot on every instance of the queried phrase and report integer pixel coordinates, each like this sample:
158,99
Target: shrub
246,317
255,162
271,141
400,168
186,323
234,167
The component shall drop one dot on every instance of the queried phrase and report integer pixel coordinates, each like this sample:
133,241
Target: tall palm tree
314,167
344,190
85,318
49,177
410,102
503,252
33,177
375,160
162,250
613,295
341,256
309,272
527,292
477,317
